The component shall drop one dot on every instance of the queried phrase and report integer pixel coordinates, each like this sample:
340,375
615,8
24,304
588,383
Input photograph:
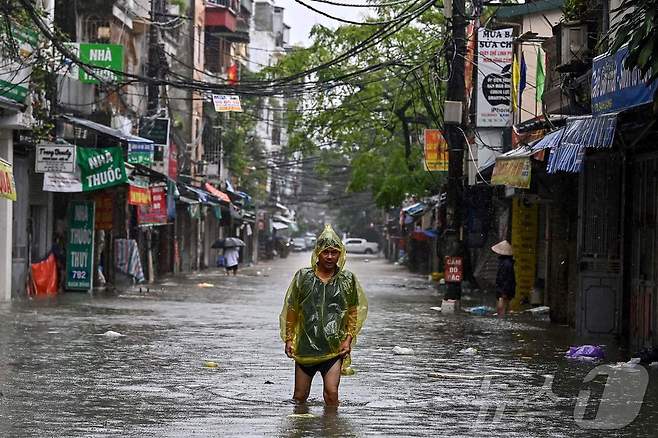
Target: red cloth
44,277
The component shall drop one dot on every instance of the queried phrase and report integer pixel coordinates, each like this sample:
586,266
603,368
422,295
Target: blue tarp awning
550,140
590,131
569,143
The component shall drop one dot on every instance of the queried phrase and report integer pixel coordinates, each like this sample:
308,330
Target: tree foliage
637,25
371,108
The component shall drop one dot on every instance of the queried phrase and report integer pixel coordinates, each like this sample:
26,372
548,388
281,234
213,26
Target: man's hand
345,346
288,349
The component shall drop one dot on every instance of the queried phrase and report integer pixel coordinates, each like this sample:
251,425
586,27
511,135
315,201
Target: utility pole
456,142
156,57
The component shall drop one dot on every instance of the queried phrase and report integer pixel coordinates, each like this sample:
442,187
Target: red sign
156,212
173,160
104,207
139,195
454,269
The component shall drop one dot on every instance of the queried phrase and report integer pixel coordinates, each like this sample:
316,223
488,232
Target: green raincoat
318,316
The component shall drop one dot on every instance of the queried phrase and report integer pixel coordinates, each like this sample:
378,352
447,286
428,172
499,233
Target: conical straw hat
502,248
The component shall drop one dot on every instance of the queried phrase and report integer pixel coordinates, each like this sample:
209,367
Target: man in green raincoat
323,311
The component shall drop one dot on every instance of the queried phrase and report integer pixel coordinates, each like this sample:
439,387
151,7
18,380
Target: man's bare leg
302,385
330,382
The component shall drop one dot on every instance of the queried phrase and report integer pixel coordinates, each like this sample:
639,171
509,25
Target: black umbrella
229,242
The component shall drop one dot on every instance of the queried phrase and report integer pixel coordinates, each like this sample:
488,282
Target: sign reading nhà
80,248
615,87
436,151
106,59
494,77
226,103
55,158
101,168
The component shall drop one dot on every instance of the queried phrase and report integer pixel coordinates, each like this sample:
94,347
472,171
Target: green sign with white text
101,168
80,246
108,56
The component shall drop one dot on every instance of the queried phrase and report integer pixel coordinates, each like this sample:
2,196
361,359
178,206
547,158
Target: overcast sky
301,19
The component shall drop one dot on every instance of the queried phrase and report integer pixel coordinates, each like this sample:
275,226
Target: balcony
241,34
221,15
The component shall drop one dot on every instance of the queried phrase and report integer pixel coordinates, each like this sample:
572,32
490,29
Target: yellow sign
7,186
436,151
513,172
524,244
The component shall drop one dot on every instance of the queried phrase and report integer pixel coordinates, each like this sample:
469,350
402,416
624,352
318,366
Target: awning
279,226
203,196
186,200
282,219
590,131
513,168
550,140
580,133
103,129
217,193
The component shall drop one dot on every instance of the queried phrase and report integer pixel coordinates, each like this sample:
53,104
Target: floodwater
59,376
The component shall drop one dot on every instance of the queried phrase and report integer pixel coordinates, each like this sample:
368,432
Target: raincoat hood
329,239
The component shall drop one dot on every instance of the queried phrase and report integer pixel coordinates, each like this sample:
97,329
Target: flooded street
60,376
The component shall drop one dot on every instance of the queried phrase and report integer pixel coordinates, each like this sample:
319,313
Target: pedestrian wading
323,311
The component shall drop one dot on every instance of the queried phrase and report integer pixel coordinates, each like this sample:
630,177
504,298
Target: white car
362,246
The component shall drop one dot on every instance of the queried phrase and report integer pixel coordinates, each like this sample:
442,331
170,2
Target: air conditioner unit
103,33
573,42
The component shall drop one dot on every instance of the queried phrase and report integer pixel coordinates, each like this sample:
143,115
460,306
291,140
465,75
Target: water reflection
308,419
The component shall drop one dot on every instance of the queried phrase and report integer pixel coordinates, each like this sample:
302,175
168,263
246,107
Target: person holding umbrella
231,253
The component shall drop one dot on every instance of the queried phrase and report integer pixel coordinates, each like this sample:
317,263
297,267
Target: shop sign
494,77
101,168
104,202
140,153
62,182
436,151
226,103
524,245
512,173
15,71
454,269
55,158
80,246
138,192
7,186
615,87
106,61
156,212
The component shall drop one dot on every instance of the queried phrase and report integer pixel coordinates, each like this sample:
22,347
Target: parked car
298,244
310,241
362,246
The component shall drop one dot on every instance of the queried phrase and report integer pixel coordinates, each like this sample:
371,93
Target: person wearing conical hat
323,312
505,280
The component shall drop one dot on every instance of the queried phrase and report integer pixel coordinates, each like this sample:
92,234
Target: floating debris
210,364
111,334
205,285
469,351
402,351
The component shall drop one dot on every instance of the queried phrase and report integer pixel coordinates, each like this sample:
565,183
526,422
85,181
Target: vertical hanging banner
156,212
104,202
525,218
436,151
101,168
80,247
494,77
7,185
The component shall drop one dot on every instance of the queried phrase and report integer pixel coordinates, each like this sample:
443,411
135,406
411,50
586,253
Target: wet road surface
59,376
